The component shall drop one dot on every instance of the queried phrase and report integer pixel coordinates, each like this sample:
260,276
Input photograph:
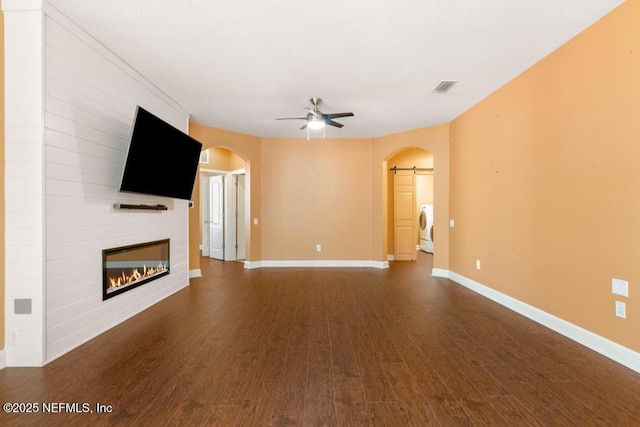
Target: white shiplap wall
89,101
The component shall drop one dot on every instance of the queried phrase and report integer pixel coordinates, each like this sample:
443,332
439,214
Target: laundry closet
410,209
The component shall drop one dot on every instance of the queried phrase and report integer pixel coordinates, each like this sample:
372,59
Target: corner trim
316,263
25,357
614,351
193,274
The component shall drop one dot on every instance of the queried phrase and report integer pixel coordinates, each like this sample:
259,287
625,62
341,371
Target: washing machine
425,222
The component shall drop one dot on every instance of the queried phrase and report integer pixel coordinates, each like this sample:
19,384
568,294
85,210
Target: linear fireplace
128,267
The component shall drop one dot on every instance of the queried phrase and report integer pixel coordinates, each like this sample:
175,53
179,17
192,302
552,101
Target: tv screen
161,161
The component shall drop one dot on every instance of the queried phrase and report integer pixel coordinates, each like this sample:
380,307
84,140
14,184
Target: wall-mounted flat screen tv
162,160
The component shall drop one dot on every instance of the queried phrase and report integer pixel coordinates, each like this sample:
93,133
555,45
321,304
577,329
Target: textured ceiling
239,64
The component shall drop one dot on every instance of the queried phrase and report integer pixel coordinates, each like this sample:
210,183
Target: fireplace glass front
128,267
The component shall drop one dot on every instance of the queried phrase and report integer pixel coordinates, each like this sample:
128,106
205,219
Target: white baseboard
252,264
3,359
316,263
439,272
193,274
391,257
379,264
597,343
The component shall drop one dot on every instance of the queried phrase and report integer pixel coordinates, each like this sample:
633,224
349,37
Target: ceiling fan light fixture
316,123
316,119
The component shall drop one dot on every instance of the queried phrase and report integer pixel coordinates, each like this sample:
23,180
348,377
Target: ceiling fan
316,119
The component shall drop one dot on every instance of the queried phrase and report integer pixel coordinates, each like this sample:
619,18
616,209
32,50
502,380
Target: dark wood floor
328,347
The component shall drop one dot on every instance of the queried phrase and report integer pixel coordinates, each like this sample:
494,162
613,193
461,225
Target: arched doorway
409,192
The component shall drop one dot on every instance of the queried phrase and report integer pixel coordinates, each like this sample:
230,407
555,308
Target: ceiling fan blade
304,126
337,115
332,123
293,118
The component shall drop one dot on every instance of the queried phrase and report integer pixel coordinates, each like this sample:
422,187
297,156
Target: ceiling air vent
444,86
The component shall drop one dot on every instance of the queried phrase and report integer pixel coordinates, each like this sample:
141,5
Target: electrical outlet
620,287
477,264
255,221
621,309
452,223
318,247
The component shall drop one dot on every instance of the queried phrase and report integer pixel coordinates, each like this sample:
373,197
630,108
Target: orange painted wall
248,148
235,162
434,139
218,159
545,181
2,180
222,159
316,191
409,158
322,191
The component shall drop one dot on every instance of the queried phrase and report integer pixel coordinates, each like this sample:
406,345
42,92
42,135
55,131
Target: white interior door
205,209
240,217
230,217
216,217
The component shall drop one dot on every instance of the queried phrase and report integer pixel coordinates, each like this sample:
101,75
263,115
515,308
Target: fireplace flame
123,279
